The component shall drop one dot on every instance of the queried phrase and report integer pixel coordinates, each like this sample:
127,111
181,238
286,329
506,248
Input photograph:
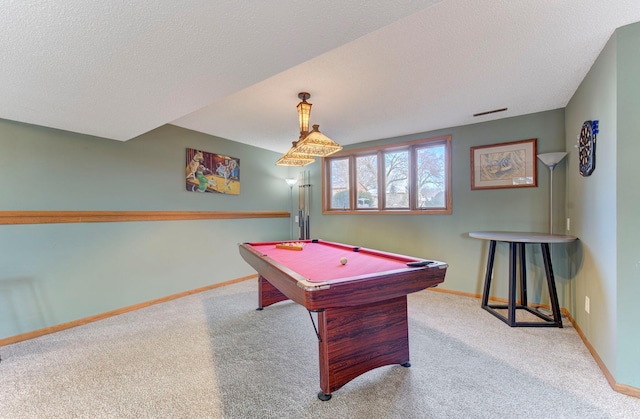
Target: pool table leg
268,294
357,339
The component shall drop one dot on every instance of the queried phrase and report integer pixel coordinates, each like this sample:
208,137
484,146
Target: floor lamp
291,182
551,160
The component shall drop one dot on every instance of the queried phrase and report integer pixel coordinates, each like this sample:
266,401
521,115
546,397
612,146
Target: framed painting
210,172
505,165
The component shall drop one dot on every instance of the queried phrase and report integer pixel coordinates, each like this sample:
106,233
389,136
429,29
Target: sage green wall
591,205
628,209
604,206
445,237
52,274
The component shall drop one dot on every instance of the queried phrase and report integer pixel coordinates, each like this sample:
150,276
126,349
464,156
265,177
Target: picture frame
210,172
505,165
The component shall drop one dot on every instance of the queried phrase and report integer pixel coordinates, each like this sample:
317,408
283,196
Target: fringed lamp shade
310,144
294,158
317,144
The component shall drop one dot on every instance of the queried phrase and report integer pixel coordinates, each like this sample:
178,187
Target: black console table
517,242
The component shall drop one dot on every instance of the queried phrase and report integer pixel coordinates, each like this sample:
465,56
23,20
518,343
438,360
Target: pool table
361,305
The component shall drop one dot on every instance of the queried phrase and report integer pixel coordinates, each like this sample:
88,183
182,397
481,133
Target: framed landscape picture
209,172
504,165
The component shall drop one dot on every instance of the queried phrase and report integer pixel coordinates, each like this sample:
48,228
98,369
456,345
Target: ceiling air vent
488,112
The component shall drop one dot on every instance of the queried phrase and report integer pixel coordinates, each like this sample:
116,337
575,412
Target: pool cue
300,206
308,205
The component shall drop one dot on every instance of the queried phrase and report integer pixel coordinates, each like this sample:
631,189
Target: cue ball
343,261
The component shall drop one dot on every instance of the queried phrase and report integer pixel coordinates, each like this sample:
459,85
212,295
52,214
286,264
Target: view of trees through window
396,179
431,177
367,181
407,177
340,183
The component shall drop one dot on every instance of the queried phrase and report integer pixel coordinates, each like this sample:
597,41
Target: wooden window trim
409,145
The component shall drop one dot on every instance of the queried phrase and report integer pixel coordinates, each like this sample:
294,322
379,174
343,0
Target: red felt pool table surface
320,261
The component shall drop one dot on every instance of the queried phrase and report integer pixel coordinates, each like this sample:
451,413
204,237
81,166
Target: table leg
354,340
523,275
551,283
489,272
517,251
268,294
511,316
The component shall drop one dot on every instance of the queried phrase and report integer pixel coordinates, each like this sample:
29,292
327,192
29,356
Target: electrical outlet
568,223
587,304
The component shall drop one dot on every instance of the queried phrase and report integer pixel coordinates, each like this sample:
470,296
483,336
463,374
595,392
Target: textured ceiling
375,69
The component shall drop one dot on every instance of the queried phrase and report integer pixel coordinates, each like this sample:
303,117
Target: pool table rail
343,292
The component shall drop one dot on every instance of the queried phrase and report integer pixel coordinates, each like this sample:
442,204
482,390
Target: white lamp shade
291,181
551,159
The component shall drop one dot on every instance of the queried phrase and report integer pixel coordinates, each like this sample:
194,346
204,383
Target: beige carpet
212,355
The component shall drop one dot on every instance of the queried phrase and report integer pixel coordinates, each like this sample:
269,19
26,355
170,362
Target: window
406,178
340,183
367,181
396,179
